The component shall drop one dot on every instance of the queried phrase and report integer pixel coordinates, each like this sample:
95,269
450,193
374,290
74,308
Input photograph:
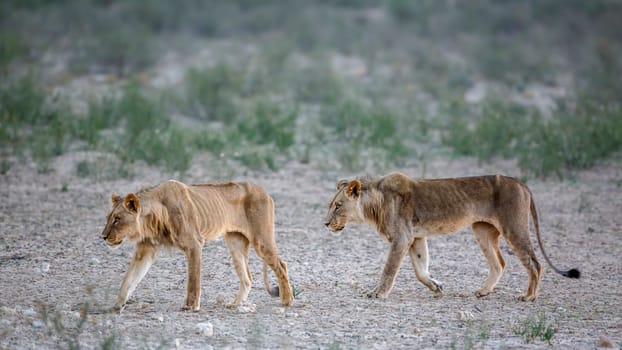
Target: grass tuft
536,328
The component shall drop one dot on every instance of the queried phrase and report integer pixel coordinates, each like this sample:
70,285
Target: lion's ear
114,198
353,190
131,203
341,184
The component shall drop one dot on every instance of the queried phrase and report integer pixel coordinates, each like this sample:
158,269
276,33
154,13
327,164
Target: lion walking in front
186,217
406,211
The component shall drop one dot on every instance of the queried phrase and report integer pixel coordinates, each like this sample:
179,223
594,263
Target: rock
604,342
205,328
45,267
29,312
37,324
247,308
278,310
158,317
5,310
464,316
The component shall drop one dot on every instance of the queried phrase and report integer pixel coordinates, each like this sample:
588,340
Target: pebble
5,310
29,312
37,324
205,328
278,310
604,342
464,316
247,308
158,317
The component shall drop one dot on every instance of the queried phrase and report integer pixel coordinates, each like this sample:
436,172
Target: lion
406,211
184,216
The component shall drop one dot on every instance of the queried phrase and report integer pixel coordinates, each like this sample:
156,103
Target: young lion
186,216
406,211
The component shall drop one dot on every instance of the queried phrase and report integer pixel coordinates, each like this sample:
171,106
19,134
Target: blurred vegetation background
356,84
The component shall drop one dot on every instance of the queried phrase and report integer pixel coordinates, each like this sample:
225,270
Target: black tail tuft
274,291
572,273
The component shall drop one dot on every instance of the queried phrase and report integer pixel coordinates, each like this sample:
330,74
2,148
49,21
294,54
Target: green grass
359,130
534,328
282,89
32,122
210,92
573,138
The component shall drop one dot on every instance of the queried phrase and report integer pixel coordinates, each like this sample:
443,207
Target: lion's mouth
114,244
336,229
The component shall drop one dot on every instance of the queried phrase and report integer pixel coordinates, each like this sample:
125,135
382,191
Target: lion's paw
438,288
117,309
232,304
376,293
373,293
193,308
526,297
480,293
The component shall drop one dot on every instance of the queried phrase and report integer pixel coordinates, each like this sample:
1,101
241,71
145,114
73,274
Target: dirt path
52,259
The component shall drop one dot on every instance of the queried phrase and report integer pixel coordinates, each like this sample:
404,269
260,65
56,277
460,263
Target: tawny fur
406,211
186,217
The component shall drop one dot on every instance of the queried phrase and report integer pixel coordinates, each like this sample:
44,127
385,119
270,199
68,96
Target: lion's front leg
142,261
193,287
394,261
420,258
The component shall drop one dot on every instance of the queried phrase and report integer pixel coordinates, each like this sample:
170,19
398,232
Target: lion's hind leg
488,238
269,253
420,258
238,247
518,240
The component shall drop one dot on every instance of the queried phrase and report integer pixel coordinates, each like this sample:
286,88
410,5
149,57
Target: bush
30,121
210,92
536,328
270,123
574,138
358,129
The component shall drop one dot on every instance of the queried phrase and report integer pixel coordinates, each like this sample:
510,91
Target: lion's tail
572,273
274,291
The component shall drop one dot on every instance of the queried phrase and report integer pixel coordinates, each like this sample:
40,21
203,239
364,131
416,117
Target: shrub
536,328
358,128
210,92
270,123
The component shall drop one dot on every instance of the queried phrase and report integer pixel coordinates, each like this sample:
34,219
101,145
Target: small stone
417,330
177,342
205,328
158,317
278,310
5,310
29,312
45,267
247,308
37,324
464,316
604,342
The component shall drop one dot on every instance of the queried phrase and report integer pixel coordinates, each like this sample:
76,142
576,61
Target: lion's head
345,206
122,221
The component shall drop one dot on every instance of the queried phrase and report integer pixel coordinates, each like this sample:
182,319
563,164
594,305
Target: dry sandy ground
52,262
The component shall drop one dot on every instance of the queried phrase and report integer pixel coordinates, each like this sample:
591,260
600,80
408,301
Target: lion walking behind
186,217
406,211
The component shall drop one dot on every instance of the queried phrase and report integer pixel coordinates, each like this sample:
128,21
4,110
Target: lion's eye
115,221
